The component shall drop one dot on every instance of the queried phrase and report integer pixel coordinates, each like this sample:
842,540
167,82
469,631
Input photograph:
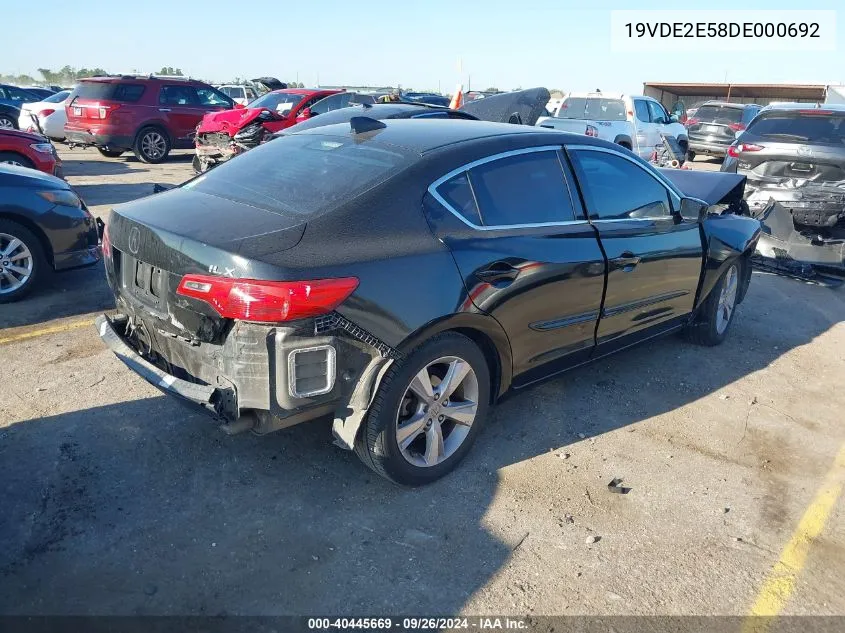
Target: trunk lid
93,101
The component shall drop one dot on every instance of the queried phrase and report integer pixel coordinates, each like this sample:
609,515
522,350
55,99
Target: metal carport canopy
780,92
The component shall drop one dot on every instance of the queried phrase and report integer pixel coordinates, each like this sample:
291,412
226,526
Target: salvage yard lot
119,500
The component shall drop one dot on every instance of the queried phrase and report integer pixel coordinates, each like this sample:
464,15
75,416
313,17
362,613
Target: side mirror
304,114
693,209
674,118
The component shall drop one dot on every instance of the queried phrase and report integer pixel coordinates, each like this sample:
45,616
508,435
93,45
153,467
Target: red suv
149,115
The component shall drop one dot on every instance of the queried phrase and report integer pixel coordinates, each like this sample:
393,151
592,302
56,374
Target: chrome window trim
432,189
673,190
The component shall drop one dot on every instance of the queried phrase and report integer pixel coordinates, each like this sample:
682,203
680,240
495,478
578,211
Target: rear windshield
592,108
108,91
280,102
58,97
824,128
232,91
719,114
302,175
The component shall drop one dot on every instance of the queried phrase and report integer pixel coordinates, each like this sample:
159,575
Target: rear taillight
735,150
737,127
46,112
592,130
692,121
106,242
267,301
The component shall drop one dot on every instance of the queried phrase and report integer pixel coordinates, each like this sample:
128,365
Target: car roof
304,91
377,111
834,107
426,135
728,104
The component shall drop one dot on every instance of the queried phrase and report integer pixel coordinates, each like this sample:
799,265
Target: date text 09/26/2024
418,624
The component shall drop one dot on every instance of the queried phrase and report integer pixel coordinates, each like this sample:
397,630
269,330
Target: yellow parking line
780,583
53,329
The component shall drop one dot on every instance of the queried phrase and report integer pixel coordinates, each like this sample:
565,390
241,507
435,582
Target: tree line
69,75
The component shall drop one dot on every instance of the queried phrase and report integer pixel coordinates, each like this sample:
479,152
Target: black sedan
44,227
9,116
402,275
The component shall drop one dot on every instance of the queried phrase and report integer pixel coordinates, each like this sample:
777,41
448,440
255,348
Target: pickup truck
634,122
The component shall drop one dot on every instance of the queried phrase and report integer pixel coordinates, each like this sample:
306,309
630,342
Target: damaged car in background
442,264
793,155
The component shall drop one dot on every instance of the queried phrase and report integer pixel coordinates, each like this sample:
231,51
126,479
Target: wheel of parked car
427,412
8,122
717,312
152,145
21,261
110,153
11,158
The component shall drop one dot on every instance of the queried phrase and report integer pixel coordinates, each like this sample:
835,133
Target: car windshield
235,92
719,114
809,126
58,97
596,109
280,102
302,175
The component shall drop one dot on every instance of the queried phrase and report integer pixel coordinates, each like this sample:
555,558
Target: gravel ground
119,500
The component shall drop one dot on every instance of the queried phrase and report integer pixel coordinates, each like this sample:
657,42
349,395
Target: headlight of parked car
63,197
45,148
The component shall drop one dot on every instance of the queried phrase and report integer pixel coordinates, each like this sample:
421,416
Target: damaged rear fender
727,238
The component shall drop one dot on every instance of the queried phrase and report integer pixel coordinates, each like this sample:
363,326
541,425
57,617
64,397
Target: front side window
328,104
522,189
641,108
615,188
212,97
657,113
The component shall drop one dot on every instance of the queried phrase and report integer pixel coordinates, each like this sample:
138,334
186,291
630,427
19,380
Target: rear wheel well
25,160
35,229
491,355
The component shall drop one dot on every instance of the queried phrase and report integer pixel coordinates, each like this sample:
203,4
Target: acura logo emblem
134,240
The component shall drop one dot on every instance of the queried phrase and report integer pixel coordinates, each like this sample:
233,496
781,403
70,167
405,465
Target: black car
377,111
794,153
9,116
430,98
402,275
44,226
716,125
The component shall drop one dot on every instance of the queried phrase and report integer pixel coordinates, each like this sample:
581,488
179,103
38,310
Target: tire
711,326
8,122
690,155
152,145
13,158
110,153
378,444
28,255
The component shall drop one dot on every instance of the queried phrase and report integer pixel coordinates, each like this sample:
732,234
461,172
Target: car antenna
361,124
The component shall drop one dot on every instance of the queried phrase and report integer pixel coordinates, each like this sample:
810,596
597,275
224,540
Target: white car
50,114
635,122
238,94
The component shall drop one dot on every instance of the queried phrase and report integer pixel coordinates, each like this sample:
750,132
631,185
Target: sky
501,43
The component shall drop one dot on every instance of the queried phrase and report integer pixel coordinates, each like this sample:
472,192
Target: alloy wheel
153,145
16,263
727,299
437,411
6,123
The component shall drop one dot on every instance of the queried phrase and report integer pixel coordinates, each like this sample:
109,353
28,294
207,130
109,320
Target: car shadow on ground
59,296
98,167
185,156
105,194
143,507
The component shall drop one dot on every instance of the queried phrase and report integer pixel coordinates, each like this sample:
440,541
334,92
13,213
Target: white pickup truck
634,122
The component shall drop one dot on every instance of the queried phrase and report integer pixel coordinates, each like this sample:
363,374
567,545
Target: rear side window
109,91
592,108
614,188
641,108
177,95
813,126
233,91
719,114
522,189
458,194
302,175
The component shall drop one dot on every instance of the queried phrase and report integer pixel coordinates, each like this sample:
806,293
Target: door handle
164,109
627,261
498,271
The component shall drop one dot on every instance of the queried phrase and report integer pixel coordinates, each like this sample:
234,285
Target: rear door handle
627,261
498,271
164,109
